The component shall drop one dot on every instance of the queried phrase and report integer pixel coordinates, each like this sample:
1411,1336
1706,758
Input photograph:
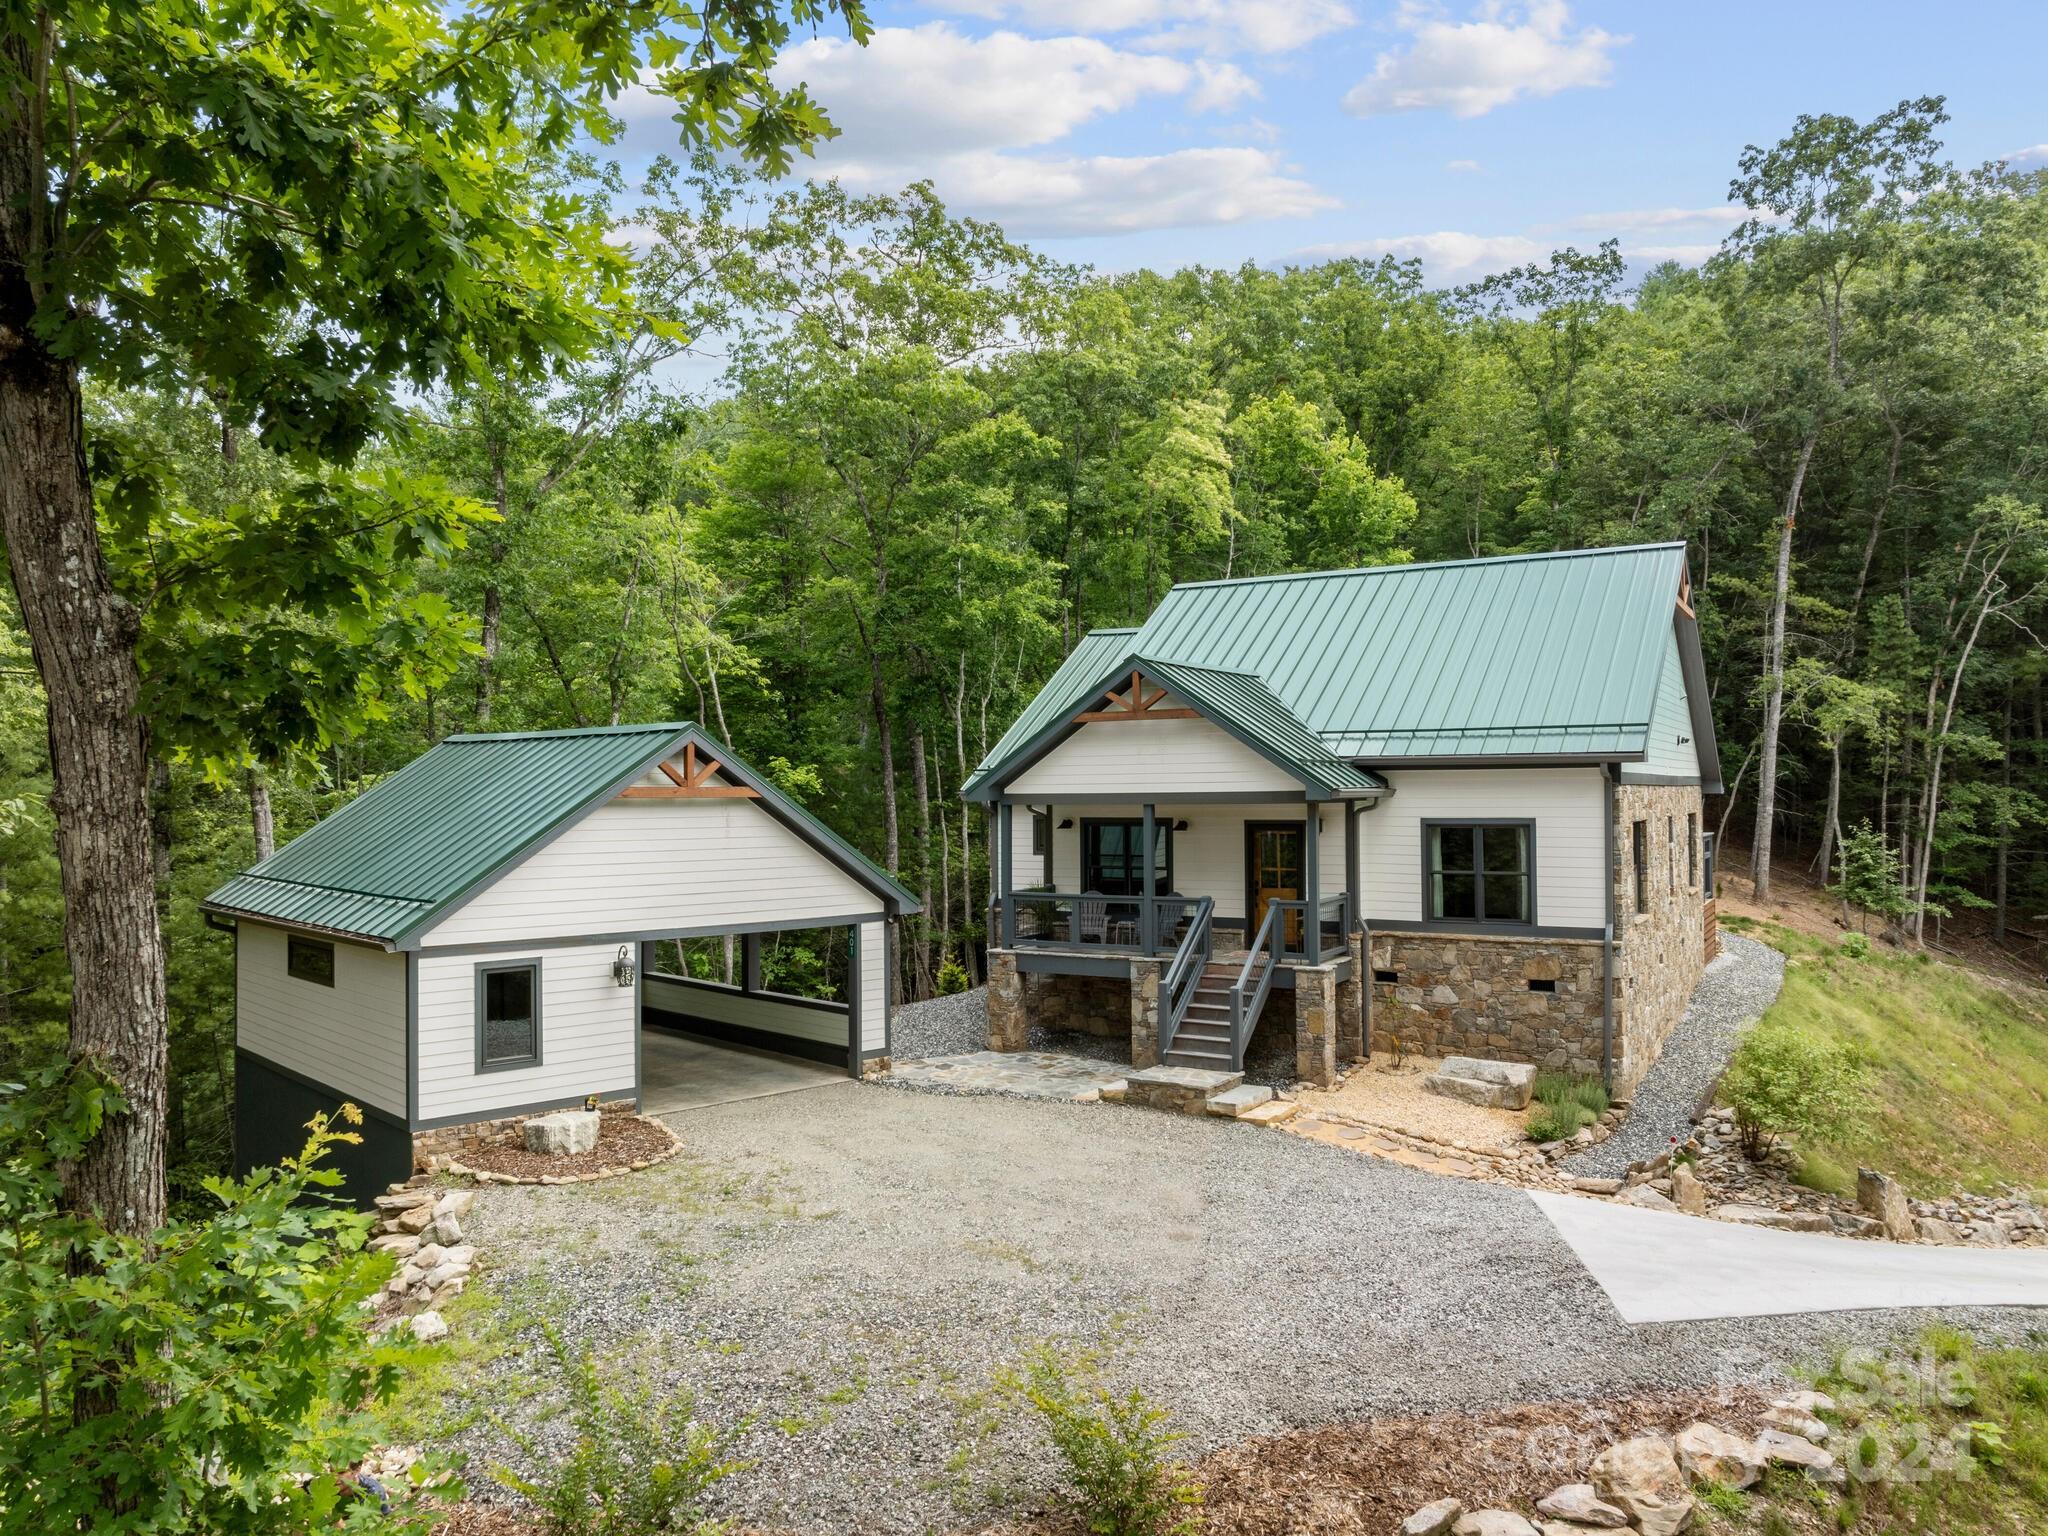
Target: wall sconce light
623,972
1180,826
1067,825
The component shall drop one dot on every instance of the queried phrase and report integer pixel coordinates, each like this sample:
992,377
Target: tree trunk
1774,703
261,819
83,637
493,617
1831,828
920,779
2002,856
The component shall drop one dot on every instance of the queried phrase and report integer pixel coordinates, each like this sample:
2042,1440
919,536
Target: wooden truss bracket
691,784
1135,704
1685,595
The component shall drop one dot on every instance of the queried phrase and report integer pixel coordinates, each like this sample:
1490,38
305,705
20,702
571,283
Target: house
473,938
1452,805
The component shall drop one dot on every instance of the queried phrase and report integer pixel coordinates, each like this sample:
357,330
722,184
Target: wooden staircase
1203,1039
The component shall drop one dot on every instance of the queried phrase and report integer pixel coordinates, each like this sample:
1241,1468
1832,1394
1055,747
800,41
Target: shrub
217,1378
639,1465
951,978
1784,1082
1564,1105
1856,946
1115,1446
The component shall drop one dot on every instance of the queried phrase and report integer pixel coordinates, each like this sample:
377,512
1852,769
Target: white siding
1152,759
1673,753
587,1035
350,1036
874,987
1568,805
1027,868
1208,858
636,866
752,1010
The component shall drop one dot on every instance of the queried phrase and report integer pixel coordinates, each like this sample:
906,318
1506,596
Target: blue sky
1127,133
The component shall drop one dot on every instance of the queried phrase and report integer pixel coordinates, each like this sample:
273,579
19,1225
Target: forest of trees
845,477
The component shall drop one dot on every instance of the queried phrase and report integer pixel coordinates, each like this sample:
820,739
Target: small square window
1386,976
1478,872
1542,984
309,960
508,1015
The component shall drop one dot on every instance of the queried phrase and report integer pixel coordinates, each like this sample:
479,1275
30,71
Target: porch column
1004,848
750,962
1146,883
1354,902
1312,881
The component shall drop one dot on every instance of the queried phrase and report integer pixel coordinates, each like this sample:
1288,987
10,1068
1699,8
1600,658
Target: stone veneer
1090,1005
1472,994
1659,954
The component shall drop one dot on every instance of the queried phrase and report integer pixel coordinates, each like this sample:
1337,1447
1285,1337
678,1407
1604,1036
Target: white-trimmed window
507,1015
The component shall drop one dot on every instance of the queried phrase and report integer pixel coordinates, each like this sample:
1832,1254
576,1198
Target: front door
1272,862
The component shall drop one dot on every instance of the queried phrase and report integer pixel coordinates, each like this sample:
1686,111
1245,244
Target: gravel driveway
1739,984
845,1270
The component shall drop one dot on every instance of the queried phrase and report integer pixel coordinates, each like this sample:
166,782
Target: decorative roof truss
693,783
1135,704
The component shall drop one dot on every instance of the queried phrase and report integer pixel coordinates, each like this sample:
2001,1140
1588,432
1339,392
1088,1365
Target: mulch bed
1365,1478
622,1140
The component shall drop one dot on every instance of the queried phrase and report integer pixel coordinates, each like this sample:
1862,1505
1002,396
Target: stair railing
1248,992
1184,972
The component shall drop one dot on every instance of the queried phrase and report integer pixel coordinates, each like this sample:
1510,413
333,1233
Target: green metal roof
1244,705
1548,655
1092,658
417,843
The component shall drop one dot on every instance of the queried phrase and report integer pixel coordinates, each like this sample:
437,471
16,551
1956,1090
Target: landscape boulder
1687,1191
1783,1450
1490,1084
429,1326
1581,1504
566,1133
1642,1476
1433,1519
1493,1522
1881,1196
1710,1454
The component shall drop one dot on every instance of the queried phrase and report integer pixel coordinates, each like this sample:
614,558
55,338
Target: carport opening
740,1016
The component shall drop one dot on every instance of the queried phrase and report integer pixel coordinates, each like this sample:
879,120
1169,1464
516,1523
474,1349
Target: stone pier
1145,976
1315,1023
1007,1027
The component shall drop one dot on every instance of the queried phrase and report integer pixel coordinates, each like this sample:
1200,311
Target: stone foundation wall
1094,1005
430,1149
1472,995
1660,953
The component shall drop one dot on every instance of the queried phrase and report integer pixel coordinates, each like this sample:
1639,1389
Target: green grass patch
1956,1066
1565,1104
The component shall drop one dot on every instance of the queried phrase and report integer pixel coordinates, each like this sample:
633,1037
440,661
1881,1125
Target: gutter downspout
1608,773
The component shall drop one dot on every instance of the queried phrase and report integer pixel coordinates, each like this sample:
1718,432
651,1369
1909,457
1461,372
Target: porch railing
1184,974
1091,920
1255,980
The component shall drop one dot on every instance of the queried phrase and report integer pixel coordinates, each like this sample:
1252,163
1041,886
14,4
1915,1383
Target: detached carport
467,942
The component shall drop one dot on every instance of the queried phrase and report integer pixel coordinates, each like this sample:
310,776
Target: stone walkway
1021,1074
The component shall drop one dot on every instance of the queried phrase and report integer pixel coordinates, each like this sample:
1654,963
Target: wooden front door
1272,864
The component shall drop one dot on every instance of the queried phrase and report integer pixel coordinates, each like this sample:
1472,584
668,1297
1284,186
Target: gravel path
845,1271
1738,986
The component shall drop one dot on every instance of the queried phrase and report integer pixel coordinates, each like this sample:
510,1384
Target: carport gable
689,828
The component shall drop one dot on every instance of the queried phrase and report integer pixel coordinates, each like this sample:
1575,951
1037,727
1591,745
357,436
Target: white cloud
1220,86
1038,196
2031,156
1684,255
1464,167
1727,216
1212,26
1447,255
914,90
1468,68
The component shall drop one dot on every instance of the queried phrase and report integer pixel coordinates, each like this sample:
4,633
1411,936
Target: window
1671,854
1041,833
508,1015
1692,850
1113,860
1479,872
1639,843
309,960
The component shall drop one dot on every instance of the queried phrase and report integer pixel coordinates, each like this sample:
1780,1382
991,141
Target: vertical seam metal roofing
425,837
1523,655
